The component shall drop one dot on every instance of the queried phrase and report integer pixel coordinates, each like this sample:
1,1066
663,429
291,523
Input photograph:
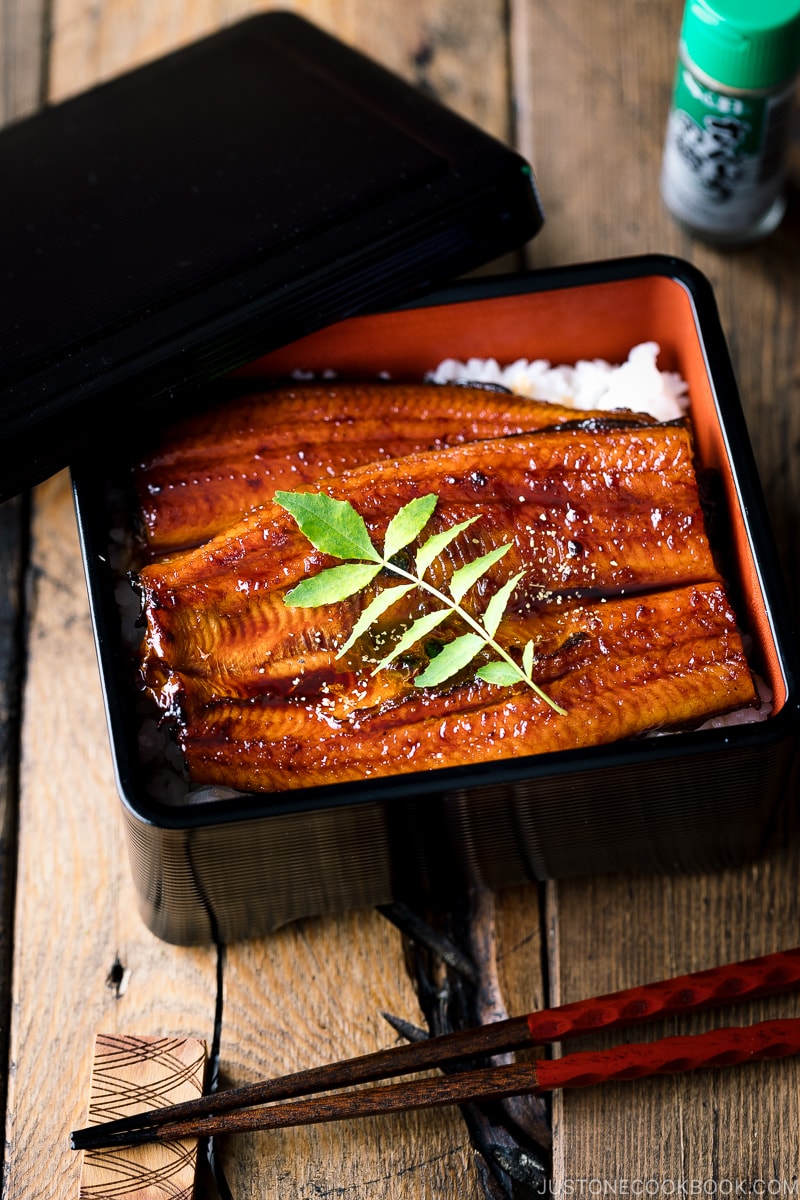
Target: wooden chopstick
719,1048
766,975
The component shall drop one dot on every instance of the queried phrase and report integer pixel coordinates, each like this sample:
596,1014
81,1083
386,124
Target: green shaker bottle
724,164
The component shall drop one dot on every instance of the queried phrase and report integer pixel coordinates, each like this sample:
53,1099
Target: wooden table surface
582,88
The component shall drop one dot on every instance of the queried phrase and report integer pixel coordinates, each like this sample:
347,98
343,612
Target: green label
724,156
734,124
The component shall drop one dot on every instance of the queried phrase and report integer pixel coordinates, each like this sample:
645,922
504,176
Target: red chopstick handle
669,1056
765,976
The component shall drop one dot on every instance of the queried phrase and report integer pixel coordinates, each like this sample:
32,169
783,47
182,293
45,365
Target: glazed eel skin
621,595
210,468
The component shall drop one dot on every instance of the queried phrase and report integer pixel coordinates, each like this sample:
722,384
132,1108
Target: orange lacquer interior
603,320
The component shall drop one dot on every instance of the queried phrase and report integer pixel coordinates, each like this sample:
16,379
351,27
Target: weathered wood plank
312,993
709,1127
457,52
83,961
13,524
22,84
23,57
758,293
600,78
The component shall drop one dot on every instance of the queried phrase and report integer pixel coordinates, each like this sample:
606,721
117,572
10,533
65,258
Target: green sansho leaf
335,528
332,526
408,523
496,607
331,586
501,673
420,629
451,659
375,609
463,579
437,543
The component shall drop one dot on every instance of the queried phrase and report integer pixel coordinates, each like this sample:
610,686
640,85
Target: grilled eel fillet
209,469
625,667
621,597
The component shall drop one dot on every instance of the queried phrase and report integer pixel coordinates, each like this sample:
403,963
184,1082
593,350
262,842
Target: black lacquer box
694,800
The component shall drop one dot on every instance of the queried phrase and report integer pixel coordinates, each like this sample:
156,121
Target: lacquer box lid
176,222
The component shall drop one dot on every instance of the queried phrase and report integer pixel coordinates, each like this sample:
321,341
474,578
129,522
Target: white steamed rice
637,384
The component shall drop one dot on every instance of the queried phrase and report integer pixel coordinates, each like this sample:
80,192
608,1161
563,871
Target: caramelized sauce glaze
621,594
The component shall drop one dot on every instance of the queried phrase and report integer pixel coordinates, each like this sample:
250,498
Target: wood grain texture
311,993
600,79
13,522
23,57
454,51
83,961
22,85
708,1127
758,293
129,1075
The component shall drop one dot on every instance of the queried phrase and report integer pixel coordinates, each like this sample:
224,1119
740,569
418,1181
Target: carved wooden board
129,1075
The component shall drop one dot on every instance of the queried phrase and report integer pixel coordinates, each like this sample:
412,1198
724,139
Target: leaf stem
449,603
